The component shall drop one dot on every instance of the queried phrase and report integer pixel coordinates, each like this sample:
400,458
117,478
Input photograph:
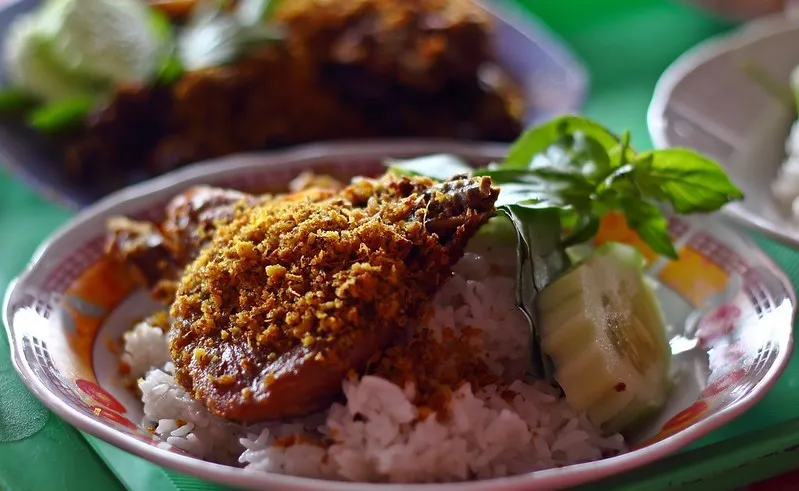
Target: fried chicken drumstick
290,295
346,69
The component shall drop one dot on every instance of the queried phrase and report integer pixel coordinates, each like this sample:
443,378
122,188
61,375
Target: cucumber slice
578,252
602,326
112,40
498,229
32,67
78,49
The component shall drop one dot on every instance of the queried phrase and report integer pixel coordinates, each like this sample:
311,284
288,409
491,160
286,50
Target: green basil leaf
161,25
538,139
539,260
514,194
252,12
547,185
583,171
690,182
440,166
576,154
170,68
623,153
622,184
13,100
559,180
651,226
584,228
62,115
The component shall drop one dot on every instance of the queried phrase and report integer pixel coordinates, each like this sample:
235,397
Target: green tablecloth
626,44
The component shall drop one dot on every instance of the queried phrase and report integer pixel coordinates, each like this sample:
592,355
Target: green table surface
625,44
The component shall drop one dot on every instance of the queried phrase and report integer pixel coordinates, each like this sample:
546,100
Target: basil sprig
215,36
580,168
567,174
576,165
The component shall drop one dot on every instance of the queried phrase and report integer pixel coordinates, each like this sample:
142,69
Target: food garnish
217,36
602,318
72,53
578,167
69,56
558,181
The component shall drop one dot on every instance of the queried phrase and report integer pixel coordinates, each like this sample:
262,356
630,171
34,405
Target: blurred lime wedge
30,64
113,40
80,48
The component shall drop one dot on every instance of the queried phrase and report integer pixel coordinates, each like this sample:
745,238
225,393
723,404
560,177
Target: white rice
183,422
377,434
785,186
145,347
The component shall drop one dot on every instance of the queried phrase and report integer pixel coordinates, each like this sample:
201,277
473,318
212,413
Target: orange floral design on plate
100,395
682,420
114,417
694,276
724,383
105,284
613,228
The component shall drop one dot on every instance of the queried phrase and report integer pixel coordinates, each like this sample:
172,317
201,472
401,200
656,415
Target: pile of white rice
785,186
377,434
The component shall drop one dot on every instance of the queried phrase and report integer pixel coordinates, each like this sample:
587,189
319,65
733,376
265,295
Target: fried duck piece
346,70
293,295
411,68
192,217
157,254
421,44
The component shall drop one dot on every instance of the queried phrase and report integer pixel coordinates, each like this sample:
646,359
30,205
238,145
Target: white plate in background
705,101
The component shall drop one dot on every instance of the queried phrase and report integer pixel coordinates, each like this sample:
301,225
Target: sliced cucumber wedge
32,66
602,326
112,40
497,230
71,49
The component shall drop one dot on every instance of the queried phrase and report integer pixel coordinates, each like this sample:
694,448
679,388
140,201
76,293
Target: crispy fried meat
348,69
293,294
156,254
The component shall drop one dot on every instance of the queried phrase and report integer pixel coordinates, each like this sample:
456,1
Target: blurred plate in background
553,82
707,102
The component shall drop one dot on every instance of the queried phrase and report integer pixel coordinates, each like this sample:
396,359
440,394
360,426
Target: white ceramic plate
705,101
729,307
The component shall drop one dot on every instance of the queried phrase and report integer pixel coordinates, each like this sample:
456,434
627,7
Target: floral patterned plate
730,311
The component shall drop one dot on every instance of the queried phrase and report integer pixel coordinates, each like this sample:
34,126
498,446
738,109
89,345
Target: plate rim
557,477
701,53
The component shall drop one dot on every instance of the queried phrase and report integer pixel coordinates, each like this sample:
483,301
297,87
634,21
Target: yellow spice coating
291,295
